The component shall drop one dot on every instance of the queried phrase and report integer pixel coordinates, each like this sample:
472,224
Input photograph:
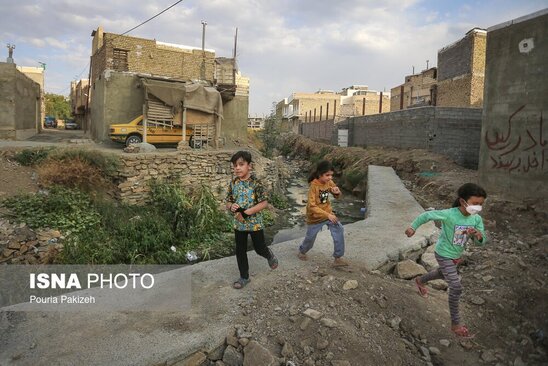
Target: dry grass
73,173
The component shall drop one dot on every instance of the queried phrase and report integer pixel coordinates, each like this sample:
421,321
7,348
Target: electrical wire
149,19
126,32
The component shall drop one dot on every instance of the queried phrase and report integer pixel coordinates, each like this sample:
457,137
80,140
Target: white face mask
473,209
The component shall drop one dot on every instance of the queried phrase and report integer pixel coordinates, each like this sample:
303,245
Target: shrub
30,157
279,201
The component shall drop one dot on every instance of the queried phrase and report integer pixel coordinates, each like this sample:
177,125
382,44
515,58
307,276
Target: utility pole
204,23
235,68
427,61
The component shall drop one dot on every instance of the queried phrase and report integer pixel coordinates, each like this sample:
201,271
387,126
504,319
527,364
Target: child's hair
244,155
321,168
468,190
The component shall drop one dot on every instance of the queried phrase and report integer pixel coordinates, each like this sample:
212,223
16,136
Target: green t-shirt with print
452,238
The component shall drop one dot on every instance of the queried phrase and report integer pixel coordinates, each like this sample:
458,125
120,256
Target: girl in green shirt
459,225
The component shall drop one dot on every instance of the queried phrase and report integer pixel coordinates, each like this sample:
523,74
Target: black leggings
257,237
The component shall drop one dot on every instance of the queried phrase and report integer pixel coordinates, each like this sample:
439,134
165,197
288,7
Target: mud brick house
119,63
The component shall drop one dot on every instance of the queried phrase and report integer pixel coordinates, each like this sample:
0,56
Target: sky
284,46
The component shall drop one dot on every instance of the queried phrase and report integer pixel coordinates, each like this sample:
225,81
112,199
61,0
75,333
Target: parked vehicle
50,122
71,125
157,133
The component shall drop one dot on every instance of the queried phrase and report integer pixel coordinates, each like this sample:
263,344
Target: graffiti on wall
522,148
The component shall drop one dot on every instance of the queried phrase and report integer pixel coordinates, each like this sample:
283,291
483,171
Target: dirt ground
383,321
15,178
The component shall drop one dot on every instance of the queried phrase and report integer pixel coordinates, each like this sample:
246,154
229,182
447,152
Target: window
120,60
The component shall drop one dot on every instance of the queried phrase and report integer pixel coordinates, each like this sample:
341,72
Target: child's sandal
273,262
240,283
462,332
423,291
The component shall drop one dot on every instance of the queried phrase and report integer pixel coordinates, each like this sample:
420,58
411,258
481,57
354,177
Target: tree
270,135
57,106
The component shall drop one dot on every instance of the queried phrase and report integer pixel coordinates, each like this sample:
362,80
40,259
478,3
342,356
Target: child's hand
333,218
335,190
239,217
475,233
410,232
234,207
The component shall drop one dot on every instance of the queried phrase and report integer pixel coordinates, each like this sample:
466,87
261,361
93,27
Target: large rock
438,284
408,269
232,357
257,355
428,260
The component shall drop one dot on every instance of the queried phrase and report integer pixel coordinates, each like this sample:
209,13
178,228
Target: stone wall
209,167
514,150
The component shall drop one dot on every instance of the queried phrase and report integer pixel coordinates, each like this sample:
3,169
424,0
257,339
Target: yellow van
157,133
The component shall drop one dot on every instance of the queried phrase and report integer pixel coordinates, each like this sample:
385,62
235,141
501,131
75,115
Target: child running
246,199
459,224
319,213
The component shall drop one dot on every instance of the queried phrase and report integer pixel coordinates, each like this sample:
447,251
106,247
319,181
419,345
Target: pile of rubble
20,244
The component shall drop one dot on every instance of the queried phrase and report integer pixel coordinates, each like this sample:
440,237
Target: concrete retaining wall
514,149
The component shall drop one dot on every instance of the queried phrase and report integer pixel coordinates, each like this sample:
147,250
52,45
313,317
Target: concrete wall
514,149
234,124
117,98
20,104
322,131
453,132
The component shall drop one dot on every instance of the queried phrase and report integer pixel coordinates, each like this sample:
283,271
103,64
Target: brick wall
455,92
146,56
461,69
453,132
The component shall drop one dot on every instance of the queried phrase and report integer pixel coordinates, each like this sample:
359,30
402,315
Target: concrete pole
184,124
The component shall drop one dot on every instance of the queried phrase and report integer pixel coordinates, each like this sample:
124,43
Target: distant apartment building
355,100
255,123
79,91
120,63
358,100
417,91
461,71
